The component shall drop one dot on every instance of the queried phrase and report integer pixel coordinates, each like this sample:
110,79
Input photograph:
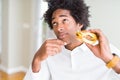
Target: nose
60,28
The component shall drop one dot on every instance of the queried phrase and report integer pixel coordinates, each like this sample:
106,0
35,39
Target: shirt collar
82,48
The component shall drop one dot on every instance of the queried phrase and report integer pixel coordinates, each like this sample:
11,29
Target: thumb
90,46
93,48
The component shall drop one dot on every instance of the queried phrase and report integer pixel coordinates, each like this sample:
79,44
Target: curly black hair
78,10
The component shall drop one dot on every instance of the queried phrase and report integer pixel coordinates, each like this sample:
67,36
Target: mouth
62,36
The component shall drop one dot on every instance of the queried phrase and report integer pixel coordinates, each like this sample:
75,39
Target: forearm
117,68
36,65
114,63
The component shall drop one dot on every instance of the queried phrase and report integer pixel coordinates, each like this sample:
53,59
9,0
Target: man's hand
49,48
102,50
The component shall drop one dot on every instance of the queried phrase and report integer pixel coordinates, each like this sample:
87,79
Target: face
65,26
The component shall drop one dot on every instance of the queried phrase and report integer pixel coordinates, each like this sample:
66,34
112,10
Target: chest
77,67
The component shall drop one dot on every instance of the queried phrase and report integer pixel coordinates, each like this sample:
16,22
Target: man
67,58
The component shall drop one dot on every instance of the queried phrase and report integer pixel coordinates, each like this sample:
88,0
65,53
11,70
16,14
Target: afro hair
78,10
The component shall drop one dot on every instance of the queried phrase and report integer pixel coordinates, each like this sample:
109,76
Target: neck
73,45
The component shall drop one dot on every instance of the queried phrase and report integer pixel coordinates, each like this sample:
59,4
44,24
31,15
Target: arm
102,50
117,67
39,69
43,74
49,48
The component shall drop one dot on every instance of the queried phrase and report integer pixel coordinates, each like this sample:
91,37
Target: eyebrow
60,16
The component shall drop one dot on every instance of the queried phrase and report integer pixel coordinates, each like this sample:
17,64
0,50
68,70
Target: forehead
61,13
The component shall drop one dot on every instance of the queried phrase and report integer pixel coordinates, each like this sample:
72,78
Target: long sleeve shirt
78,64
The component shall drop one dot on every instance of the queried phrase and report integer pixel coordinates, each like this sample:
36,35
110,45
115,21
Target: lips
61,35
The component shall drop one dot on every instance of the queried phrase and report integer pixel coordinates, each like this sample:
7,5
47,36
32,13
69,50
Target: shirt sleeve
115,50
43,74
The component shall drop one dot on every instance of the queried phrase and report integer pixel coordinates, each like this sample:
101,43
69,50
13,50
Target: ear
80,26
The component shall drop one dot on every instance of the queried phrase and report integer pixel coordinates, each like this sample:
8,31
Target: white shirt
78,64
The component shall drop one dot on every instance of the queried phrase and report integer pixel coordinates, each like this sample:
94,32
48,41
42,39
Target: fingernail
65,43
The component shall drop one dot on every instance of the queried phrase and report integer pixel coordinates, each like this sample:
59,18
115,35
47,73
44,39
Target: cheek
72,29
55,32
72,32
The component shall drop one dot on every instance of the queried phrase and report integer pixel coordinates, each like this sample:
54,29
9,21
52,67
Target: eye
65,21
54,24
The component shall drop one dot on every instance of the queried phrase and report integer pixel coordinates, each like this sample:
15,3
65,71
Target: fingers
97,31
100,35
53,46
55,41
49,48
53,50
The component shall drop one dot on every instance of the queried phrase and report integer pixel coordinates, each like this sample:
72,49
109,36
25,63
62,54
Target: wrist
108,58
113,62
